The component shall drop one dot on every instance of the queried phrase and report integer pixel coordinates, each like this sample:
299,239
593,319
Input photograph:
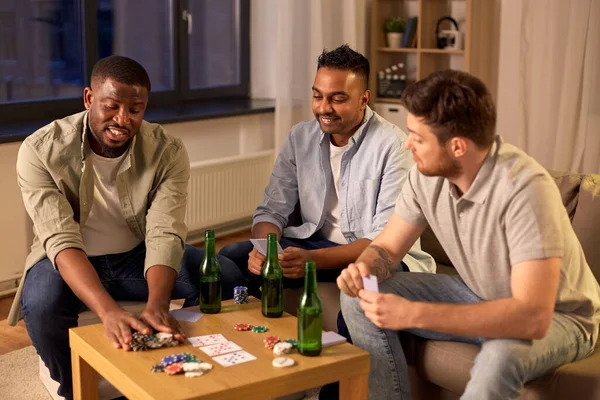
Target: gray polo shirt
512,213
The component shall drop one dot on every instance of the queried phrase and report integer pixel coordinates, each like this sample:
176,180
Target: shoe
331,391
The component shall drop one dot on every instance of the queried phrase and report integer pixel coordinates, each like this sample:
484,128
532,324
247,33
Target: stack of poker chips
240,295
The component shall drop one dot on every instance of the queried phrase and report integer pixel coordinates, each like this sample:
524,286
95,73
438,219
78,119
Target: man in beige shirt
107,194
524,292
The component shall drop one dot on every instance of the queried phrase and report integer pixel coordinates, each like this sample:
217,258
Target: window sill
17,132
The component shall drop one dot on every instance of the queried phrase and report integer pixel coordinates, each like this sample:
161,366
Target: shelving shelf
478,20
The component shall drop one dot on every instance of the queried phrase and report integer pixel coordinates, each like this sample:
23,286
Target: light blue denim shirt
373,170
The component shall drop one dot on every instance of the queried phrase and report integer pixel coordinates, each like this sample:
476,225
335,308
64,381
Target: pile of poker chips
183,362
259,329
240,295
242,327
271,341
141,342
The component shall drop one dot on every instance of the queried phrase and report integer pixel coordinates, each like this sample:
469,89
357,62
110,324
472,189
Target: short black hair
121,69
346,59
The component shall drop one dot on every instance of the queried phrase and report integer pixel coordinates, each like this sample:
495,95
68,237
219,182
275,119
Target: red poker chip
173,369
242,327
271,341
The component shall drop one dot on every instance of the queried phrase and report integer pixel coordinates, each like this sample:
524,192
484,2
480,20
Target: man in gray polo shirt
525,292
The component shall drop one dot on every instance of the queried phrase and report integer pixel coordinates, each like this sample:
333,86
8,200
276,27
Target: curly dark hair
346,59
121,69
453,103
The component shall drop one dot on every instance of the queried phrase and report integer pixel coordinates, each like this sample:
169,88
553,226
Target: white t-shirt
331,228
105,230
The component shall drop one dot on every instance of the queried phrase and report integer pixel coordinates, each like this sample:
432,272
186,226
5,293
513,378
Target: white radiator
226,190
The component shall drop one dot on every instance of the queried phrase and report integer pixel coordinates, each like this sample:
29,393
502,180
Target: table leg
85,379
355,388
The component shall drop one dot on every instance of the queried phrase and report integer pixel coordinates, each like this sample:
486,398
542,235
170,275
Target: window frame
50,109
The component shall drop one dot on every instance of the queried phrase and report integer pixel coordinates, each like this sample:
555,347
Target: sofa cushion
586,222
448,365
568,185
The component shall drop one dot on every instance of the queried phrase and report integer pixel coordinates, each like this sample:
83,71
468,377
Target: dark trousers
238,253
50,307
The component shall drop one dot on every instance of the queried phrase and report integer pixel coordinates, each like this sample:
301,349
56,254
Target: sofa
441,370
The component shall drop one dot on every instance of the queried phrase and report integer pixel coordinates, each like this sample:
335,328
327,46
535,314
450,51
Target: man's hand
386,311
118,325
160,319
350,280
255,261
293,262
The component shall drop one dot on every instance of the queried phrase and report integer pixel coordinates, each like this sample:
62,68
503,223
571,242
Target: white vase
394,39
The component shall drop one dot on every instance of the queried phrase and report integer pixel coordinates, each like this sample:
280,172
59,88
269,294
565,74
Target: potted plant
394,28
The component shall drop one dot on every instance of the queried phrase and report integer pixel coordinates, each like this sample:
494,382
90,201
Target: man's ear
458,146
88,97
364,100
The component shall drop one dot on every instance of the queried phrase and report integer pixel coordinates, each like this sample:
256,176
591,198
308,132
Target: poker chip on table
242,327
259,329
173,369
141,342
283,362
191,366
193,374
282,348
240,295
271,341
293,342
178,358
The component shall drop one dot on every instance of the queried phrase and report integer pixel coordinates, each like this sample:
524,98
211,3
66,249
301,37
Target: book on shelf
409,37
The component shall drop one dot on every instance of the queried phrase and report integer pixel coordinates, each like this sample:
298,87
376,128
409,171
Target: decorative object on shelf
409,39
448,39
394,28
391,82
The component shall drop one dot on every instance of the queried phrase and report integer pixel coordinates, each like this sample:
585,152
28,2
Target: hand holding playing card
293,262
350,280
255,261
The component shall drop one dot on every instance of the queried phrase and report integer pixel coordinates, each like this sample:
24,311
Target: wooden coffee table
93,354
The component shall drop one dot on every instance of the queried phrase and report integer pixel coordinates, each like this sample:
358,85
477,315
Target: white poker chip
193,374
191,366
205,367
163,336
282,348
283,362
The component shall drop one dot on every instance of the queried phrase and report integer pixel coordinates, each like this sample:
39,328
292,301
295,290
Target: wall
204,140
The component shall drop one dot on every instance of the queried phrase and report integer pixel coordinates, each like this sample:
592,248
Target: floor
15,338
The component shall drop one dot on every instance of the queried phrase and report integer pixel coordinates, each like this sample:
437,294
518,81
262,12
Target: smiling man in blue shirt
344,169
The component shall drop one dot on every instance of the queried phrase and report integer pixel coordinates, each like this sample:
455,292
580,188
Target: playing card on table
261,246
220,348
207,340
370,284
181,315
330,338
227,360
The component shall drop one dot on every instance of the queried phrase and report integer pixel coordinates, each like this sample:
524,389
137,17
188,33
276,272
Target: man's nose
122,118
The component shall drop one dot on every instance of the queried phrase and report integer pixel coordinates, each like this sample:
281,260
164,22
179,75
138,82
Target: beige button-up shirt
57,187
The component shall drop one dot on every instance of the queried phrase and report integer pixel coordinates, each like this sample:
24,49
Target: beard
445,167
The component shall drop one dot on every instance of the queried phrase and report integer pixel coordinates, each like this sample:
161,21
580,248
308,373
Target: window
192,50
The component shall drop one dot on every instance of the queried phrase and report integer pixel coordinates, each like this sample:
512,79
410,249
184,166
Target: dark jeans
50,307
238,253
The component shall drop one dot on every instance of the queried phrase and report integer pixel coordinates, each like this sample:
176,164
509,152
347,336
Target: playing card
182,315
207,340
370,284
220,348
330,338
227,360
261,246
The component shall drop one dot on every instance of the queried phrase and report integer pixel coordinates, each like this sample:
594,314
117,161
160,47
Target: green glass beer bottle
210,277
310,315
272,281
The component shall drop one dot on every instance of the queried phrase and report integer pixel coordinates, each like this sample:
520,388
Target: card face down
370,284
261,246
331,338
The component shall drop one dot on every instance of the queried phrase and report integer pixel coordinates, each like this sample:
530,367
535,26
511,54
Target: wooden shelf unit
478,20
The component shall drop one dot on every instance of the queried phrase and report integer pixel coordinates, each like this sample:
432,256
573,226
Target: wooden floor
15,338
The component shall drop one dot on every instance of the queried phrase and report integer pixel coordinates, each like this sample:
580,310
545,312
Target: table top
130,371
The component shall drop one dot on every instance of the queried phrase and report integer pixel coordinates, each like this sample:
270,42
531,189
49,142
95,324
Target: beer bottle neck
310,277
272,250
209,248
